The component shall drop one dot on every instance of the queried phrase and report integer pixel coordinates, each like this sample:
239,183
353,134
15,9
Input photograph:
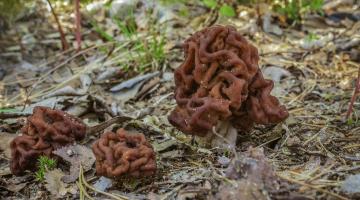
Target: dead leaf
133,82
16,187
76,155
68,90
5,139
270,27
5,171
164,145
275,73
351,185
107,73
224,161
54,185
103,184
173,154
52,102
241,190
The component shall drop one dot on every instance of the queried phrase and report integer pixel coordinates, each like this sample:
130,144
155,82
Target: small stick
119,119
102,126
4,115
64,43
78,24
353,98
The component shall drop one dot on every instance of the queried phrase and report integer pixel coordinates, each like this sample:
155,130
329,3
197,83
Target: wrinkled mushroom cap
220,80
54,126
45,130
25,151
121,153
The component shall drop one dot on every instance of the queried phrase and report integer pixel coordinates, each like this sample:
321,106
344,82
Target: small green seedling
311,37
44,164
349,121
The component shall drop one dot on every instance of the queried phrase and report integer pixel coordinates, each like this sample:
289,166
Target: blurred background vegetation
293,10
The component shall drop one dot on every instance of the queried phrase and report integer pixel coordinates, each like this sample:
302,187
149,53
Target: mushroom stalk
223,136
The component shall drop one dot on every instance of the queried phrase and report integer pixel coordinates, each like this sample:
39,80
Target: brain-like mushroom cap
122,153
45,130
220,80
25,150
54,126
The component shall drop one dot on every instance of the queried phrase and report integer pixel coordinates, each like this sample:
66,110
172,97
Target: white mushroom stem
224,136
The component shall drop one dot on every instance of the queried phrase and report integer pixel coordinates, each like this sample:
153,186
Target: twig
4,115
64,43
83,184
78,24
102,126
356,91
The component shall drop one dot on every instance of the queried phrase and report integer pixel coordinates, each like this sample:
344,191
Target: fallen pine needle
312,187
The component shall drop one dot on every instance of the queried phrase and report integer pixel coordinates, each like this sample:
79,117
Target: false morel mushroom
219,81
122,153
25,150
45,130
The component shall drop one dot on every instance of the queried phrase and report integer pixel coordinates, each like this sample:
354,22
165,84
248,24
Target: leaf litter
313,155
55,185
76,156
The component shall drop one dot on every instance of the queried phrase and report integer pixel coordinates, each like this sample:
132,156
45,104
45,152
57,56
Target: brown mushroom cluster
122,153
220,80
46,130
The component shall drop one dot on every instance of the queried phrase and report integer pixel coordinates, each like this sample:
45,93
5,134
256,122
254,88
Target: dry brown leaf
54,185
76,155
5,139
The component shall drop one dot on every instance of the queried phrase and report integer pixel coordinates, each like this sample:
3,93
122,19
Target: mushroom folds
46,129
122,153
220,80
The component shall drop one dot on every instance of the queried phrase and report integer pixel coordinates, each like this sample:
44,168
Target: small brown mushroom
46,130
121,153
56,127
220,85
25,150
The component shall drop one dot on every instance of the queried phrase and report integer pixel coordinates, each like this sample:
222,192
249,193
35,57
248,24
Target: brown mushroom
25,150
120,154
220,82
55,126
46,129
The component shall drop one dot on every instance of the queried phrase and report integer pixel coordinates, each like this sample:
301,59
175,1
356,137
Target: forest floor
314,63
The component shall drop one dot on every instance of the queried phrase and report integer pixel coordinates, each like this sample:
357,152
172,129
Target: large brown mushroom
124,154
46,130
220,85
